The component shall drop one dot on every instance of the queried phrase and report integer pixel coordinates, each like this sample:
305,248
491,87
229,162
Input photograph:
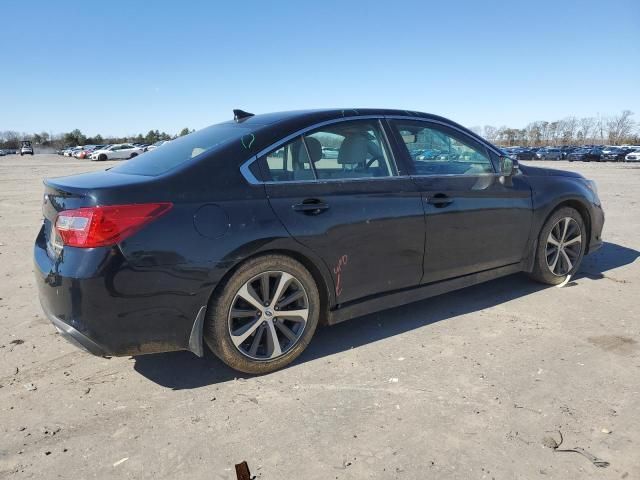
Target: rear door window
350,149
288,163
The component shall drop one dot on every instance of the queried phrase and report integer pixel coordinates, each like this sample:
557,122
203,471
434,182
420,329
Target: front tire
102,157
265,316
561,246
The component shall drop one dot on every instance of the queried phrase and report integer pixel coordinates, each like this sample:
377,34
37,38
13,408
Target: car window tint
288,163
350,149
437,150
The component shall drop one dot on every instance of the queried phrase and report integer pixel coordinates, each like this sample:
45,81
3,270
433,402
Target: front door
473,221
337,191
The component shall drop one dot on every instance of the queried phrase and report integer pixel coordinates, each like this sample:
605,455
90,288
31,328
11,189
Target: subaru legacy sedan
245,236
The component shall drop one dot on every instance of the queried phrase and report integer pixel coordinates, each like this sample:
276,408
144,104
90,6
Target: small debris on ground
30,386
122,460
551,443
50,430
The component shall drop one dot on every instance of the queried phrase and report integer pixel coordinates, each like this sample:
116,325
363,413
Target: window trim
250,177
484,144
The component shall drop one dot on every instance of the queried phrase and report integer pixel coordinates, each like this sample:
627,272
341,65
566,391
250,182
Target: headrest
354,150
315,148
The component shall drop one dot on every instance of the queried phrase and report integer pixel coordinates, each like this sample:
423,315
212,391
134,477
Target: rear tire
561,246
272,280
133,155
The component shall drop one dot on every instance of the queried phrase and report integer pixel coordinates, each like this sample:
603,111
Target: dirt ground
466,385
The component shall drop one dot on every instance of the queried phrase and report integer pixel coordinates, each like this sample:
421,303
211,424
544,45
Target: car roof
278,122
264,119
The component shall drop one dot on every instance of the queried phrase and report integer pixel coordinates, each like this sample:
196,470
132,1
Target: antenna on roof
239,115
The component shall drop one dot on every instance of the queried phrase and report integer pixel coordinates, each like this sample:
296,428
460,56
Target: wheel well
323,288
582,210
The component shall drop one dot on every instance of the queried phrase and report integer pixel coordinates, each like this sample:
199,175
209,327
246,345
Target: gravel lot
466,385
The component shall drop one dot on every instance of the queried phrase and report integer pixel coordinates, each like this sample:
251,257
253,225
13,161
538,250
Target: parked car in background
87,150
156,145
523,154
74,151
616,154
26,148
549,154
566,150
329,152
633,156
2,153
116,152
585,155
77,151
160,254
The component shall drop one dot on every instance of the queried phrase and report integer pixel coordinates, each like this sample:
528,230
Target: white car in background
156,145
116,152
633,156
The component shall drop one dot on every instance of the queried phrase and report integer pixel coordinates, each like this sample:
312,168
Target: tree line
12,139
619,129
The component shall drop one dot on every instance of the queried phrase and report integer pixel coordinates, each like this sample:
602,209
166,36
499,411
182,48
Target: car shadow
183,370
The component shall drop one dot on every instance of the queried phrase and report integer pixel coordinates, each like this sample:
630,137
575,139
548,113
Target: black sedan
615,154
523,154
585,155
247,235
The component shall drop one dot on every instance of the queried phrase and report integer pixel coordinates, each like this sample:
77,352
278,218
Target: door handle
440,200
311,206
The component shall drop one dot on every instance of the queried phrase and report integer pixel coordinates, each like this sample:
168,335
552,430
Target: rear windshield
181,150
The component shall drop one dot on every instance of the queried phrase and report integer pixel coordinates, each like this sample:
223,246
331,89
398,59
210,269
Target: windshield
183,149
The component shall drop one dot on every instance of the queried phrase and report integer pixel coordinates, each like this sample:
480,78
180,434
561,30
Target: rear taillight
103,226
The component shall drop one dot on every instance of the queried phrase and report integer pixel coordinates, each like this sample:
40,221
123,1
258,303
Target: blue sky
123,67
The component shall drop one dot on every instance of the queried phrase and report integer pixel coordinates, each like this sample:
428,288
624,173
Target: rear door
337,191
473,221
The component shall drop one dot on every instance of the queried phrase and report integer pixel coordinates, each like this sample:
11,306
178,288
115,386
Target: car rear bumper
74,336
109,307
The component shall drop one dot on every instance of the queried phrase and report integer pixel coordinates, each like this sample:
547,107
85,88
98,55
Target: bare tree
620,127
568,127
490,133
587,128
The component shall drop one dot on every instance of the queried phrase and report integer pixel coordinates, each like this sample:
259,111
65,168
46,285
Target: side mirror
508,168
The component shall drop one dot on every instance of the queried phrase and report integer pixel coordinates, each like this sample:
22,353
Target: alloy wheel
564,246
268,315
